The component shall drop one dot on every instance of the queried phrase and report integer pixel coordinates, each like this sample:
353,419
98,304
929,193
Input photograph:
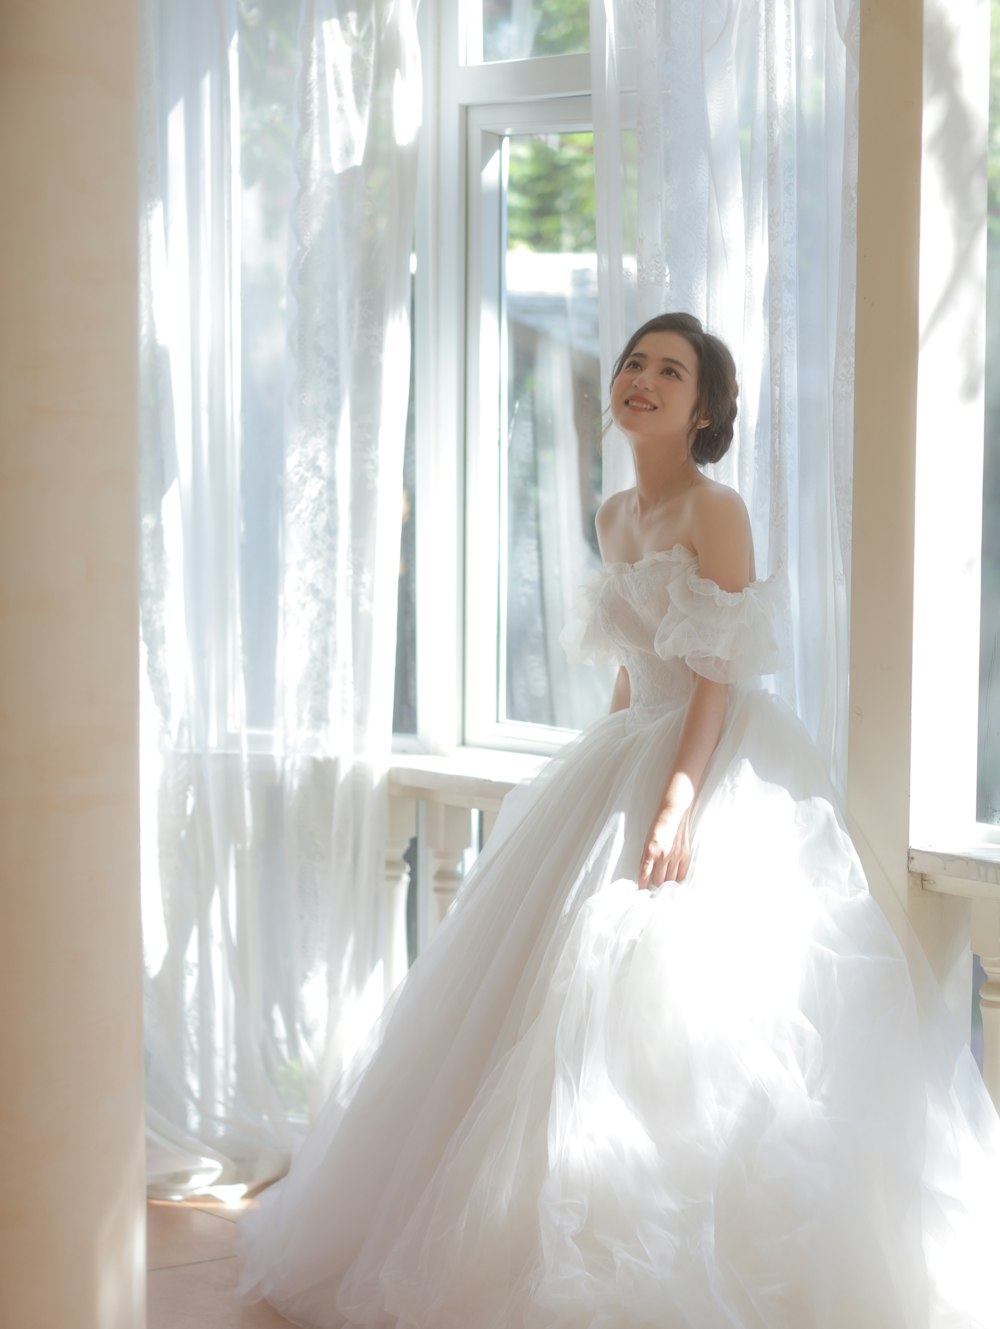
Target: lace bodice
665,622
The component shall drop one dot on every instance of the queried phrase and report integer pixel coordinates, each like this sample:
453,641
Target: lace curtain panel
726,150
278,194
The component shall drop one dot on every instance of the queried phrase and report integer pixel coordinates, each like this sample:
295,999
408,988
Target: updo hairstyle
717,387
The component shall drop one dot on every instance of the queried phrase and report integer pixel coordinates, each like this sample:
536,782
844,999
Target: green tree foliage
550,196
563,25
556,27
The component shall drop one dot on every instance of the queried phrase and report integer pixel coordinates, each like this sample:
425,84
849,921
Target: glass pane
404,711
551,470
515,29
988,793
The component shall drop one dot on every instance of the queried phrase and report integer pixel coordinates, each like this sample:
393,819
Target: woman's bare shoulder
611,509
715,501
610,521
720,532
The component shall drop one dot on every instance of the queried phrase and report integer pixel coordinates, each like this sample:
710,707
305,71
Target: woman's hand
667,850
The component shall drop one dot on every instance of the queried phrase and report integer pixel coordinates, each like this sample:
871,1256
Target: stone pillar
71,1205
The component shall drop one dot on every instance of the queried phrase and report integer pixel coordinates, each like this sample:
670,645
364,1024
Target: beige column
918,444
71,1202
889,103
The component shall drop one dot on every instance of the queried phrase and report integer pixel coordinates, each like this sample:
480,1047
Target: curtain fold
728,130
278,195
278,179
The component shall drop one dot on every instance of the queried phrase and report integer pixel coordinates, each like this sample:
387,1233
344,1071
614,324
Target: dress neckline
658,556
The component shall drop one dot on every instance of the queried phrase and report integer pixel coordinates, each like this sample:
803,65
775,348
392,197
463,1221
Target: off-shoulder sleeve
727,636
585,638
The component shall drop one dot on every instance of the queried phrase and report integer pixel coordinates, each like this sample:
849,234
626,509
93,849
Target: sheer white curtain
726,156
278,185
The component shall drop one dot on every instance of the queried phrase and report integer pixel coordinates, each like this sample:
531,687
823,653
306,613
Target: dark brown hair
717,387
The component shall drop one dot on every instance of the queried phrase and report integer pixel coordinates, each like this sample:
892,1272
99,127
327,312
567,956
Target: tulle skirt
727,1103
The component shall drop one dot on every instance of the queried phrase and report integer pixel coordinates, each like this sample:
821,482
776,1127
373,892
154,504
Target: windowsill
468,777
972,872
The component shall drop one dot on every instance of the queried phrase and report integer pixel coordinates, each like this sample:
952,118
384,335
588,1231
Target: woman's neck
661,475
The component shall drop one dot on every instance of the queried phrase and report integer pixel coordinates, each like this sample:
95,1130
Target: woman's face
656,390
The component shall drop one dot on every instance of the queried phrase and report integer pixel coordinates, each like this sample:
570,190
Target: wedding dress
725,1104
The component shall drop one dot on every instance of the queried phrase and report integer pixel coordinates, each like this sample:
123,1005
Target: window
952,580
533,432
507,291
988,782
404,707
515,29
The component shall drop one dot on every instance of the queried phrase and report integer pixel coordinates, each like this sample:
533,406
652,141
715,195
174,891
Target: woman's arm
667,851
721,533
621,696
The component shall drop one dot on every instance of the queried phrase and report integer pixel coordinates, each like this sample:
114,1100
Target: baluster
986,944
489,820
401,826
449,835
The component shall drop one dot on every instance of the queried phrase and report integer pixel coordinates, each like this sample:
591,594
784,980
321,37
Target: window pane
515,29
550,466
404,711
988,800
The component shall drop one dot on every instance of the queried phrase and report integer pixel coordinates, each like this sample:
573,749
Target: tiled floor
191,1265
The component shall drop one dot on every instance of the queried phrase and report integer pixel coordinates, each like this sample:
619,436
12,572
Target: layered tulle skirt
729,1102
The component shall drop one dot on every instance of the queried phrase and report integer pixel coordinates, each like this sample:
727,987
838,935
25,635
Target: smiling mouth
638,404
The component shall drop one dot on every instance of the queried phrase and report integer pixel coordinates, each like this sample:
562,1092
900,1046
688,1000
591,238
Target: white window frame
452,562
486,426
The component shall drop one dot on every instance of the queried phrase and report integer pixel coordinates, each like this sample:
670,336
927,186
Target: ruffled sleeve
585,638
727,636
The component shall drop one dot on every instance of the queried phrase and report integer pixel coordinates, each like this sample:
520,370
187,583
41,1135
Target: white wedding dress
725,1104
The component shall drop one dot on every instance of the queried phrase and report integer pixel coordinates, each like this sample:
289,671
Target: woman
677,416
599,1102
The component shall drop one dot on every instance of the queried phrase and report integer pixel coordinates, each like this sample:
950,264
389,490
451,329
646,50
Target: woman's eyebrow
665,360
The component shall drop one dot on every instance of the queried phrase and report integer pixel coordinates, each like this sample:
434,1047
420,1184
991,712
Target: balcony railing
456,800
